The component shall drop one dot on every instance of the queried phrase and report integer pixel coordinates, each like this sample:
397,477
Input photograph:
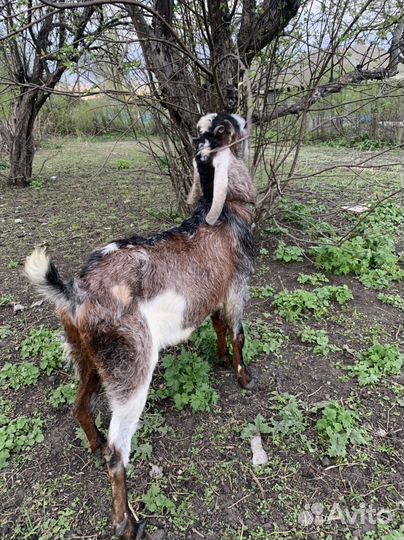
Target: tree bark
187,86
36,69
22,147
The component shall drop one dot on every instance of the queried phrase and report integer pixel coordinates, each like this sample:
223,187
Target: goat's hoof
245,379
139,530
225,361
129,529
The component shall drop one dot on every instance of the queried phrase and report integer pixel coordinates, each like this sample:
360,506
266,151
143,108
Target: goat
138,295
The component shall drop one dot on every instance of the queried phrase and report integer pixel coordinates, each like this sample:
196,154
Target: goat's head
220,135
213,122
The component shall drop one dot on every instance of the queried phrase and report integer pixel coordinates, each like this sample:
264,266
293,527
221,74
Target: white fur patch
36,268
164,314
204,150
109,248
243,132
125,418
221,161
204,124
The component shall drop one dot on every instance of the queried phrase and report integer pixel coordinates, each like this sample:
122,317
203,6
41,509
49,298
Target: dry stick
259,485
197,532
239,501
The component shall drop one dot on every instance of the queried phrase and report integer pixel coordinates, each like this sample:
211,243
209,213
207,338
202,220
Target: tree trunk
22,148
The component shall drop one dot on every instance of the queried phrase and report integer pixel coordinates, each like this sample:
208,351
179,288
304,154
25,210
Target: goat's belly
165,316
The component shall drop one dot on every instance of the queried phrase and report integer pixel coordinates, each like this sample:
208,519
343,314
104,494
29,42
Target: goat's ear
196,189
221,164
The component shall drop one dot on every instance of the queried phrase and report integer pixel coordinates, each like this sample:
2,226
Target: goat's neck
243,210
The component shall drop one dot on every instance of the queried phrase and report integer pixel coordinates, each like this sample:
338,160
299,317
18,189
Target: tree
38,44
197,53
247,56
272,61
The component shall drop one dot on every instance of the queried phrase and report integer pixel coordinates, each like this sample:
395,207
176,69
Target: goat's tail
41,271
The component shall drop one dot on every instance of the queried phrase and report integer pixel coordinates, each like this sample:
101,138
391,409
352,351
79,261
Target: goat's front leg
90,385
221,330
240,369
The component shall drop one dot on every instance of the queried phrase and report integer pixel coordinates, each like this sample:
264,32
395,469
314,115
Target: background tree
38,45
270,61
273,60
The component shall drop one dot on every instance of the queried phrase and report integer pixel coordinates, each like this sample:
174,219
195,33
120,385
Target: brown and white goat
136,296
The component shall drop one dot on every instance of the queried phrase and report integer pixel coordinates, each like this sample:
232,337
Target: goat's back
199,267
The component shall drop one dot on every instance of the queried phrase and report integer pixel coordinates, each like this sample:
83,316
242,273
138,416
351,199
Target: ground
88,192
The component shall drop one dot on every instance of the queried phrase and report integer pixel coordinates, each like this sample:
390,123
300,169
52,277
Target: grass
321,427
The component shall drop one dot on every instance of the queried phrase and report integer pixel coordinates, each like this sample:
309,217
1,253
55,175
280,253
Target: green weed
6,300
394,300
267,340
372,255
295,213
18,435
257,427
337,428
156,502
290,419
48,528
261,292
37,184
312,279
319,340
187,381
152,424
16,376
204,343
65,394
122,164
292,305
290,416
5,331
397,534
388,216
376,362
361,142
46,344
288,254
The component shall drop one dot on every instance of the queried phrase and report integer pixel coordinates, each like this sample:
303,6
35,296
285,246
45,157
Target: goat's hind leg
233,313
126,413
89,386
240,369
221,329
